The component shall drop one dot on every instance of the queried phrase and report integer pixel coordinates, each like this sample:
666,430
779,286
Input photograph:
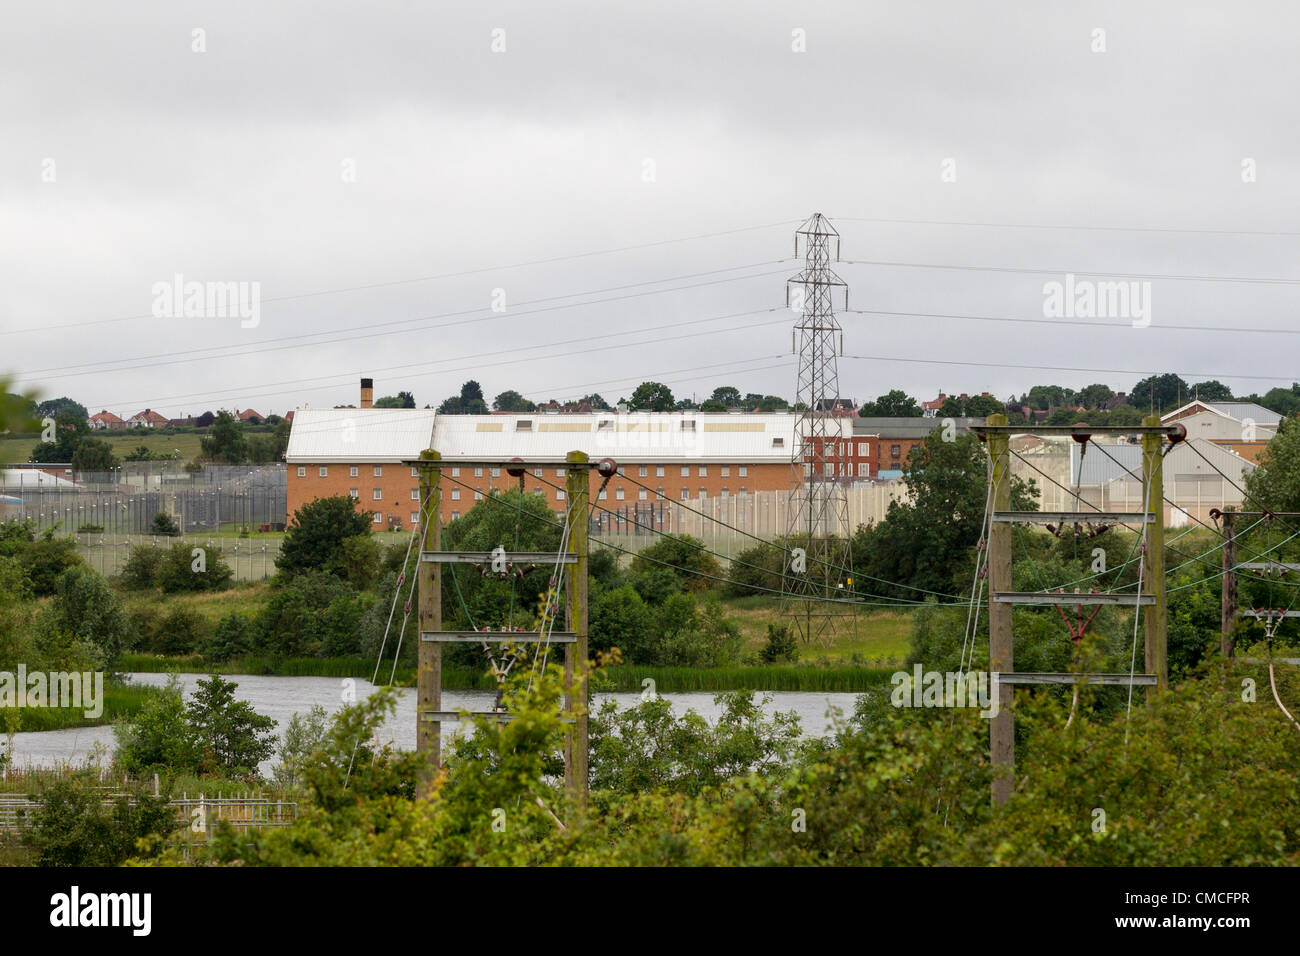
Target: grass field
19,449
873,637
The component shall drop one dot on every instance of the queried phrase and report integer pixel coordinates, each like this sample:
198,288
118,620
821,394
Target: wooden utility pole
428,733
577,493
1002,729
1228,616
1157,614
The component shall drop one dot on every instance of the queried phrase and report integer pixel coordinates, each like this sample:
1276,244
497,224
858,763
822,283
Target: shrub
756,570
140,572
314,541
73,826
781,645
181,570
232,637
656,585
163,524
86,612
685,557
180,631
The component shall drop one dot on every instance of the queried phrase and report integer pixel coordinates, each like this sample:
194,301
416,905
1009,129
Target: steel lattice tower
817,507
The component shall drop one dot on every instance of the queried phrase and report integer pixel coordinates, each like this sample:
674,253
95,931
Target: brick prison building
662,457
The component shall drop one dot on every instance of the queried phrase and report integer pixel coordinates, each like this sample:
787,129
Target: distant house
251,416
105,421
931,409
147,419
187,422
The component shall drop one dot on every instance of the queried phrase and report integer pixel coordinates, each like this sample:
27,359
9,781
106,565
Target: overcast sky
318,147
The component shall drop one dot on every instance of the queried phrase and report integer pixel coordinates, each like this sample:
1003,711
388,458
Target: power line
1052,321
430,278
1074,228
1254,280
1064,368
368,331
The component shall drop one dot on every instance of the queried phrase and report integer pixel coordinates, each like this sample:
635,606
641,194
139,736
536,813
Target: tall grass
119,701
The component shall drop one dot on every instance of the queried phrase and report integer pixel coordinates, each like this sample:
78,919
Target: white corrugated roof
362,435
630,437
397,434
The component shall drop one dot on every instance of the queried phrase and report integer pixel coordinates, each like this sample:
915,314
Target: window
604,424
643,472
778,442
688,424
415,517
604,493
354,493
726,471
524,425
743,471
455,472
828,469
478,495
704,471
895,451
377,494
704,492
864,470
619,494
686,471
864,449
642,494
725,493
455,494
559,472
537,472
559,494
478,472
659,492
686,493
455,515
352,471
377,518
379,471
302,471
322,471
659,471
742,491
415,472
415,494
496,472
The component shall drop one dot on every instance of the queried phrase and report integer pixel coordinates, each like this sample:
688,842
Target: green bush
163,524
43,559
73,825
140,571
232,637
312,614
316,536
694,566
781,645
183,570
85,618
